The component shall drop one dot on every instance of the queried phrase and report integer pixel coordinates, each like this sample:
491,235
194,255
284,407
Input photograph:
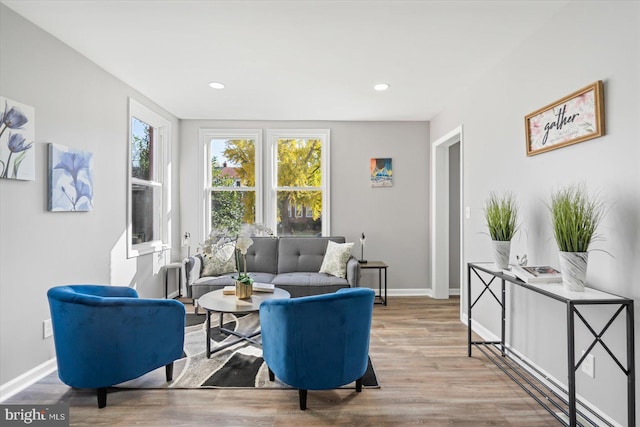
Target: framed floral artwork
575,118
17,134
70,179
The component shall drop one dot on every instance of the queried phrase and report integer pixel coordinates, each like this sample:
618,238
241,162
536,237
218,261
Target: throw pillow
335,259
221,261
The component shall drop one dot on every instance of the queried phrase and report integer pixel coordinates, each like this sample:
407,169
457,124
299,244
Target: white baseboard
415,292
406,292
487,335
18,384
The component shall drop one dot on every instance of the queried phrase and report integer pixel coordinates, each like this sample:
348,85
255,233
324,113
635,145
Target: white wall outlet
467,212
589,365
47,329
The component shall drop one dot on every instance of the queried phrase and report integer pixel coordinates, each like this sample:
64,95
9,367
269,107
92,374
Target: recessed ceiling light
216,85
382,86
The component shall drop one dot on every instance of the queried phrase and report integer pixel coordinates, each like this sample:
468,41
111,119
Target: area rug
239,366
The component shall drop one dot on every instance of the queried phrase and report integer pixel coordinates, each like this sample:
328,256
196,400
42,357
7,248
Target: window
232,170
293,199
299,179
148,144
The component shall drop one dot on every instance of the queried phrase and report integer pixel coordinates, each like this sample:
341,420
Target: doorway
447,250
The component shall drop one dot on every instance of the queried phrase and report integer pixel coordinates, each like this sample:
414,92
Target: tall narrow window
300,166
148,141
232,177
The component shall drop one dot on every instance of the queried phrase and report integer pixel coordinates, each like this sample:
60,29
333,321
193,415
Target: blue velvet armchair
105,335
318,342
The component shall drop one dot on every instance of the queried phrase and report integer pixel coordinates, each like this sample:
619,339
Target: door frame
440,213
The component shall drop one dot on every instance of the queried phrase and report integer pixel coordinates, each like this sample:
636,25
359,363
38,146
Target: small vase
501,252
573,266
244,290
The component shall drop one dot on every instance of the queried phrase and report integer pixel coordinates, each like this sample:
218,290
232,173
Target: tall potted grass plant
575,217
501,214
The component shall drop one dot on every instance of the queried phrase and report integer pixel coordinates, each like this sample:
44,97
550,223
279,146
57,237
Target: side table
177,266
380,266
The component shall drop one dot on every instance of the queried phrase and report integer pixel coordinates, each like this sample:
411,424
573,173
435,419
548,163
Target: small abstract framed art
381,172
575,118
70,179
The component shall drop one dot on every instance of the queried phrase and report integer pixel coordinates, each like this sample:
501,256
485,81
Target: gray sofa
290,263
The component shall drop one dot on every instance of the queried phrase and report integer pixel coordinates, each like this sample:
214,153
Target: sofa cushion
335,259
221,261
230,278
207,284
262,256
262,277
219,281
308,279
305,284
306,254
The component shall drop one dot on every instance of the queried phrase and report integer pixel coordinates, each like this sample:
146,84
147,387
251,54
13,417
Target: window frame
204,172
324,135
161,159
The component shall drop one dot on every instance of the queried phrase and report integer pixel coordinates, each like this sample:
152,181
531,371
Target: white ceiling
293,60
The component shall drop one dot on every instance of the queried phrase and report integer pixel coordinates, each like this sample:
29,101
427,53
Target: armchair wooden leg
169,371
272,376
359,385
303,399
102,397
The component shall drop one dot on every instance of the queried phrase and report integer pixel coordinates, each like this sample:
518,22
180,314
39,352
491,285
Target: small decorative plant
501,214
243,243
575,217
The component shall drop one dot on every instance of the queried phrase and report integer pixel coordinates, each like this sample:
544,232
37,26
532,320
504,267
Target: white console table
545,395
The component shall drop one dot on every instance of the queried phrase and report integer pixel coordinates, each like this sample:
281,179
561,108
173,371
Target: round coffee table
219,302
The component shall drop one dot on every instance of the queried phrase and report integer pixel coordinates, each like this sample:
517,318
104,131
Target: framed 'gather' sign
575,118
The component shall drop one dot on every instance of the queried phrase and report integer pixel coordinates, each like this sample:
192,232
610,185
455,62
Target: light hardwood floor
418,348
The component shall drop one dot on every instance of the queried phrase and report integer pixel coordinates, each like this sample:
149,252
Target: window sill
147,248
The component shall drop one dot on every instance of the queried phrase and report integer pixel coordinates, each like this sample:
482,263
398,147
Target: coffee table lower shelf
241,337
548,393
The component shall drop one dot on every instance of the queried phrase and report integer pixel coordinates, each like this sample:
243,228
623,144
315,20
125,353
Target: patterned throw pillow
335,259
220,262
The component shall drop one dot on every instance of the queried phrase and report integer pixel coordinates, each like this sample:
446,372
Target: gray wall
79,105
395,219
585,42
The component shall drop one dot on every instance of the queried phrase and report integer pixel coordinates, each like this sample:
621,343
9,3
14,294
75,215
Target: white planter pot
573,266
501,252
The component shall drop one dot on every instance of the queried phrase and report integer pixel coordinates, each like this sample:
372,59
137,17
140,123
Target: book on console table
257,287
537,273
